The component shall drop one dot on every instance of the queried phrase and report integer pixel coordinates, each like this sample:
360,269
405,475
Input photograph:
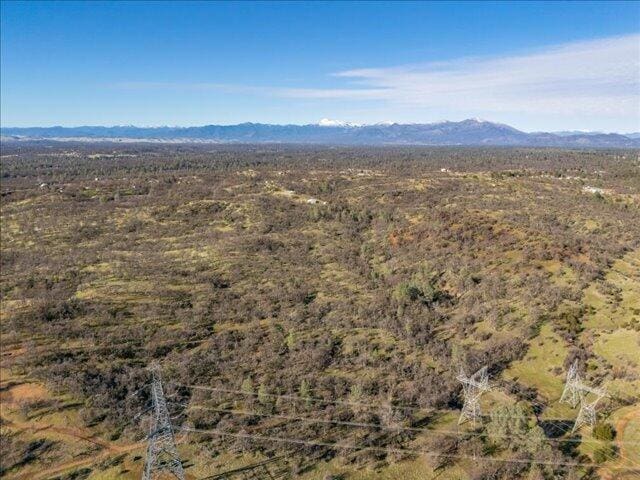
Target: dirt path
626,459
621,425
74,464
72,432
62,467
109,449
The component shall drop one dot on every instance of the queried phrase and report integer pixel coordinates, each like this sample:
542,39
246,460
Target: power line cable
339,446
330,402
383,427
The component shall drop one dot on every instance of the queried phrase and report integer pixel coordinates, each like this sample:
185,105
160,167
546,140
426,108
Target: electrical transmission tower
587,413
473,387
162,455
571,392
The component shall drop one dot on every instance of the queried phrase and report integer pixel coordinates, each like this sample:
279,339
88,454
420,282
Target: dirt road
109,449
628,464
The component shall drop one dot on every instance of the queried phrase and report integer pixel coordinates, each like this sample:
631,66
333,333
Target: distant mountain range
467,132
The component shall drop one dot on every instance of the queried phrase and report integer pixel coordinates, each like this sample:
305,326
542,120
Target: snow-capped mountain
466,132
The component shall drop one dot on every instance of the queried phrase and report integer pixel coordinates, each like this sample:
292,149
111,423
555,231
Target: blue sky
535,66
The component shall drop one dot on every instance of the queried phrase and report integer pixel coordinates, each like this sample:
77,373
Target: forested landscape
328,295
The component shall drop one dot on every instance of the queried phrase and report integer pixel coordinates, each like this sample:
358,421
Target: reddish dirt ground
109,449
626,457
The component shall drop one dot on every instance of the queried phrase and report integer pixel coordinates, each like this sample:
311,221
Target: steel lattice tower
162,454
473,388
587,414
571,392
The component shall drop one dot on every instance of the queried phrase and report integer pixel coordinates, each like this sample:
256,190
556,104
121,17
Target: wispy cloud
590,78
593,77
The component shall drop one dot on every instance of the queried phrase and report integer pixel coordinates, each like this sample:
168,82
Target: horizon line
328,124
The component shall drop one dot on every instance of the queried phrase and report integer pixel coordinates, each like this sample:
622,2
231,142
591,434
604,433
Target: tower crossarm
598,392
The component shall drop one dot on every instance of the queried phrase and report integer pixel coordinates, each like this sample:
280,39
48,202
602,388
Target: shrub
406,292
604,431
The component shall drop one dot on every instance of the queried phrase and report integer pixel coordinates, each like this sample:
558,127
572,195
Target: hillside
327,295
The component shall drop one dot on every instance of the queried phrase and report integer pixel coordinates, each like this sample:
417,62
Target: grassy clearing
615,302
542,366
621,348
417,469
612,327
